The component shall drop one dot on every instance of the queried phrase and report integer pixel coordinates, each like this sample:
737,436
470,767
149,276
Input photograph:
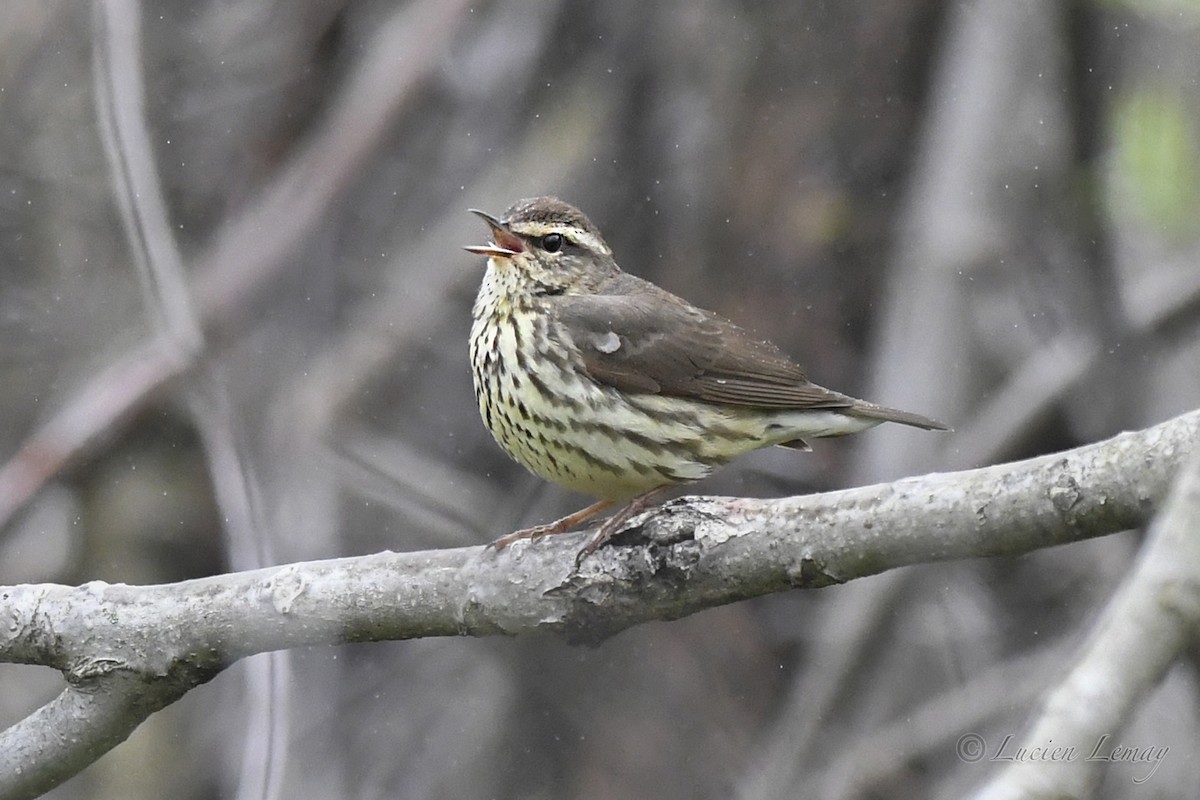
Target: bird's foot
609,528
613,524
551,528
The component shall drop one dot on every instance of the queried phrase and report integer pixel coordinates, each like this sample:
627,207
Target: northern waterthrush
611,386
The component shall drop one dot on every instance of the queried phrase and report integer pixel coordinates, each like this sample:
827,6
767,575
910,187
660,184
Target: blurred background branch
1150,623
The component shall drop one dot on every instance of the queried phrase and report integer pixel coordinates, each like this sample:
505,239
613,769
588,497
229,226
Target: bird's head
550,246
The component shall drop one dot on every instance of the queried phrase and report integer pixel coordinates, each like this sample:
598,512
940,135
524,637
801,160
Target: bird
609,385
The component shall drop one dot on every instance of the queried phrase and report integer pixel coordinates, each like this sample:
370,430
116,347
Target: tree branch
74,729
129,650
1149,622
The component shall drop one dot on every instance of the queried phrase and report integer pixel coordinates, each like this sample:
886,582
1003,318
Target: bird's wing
642,339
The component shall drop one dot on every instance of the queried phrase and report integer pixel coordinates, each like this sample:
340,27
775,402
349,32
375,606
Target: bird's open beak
504,243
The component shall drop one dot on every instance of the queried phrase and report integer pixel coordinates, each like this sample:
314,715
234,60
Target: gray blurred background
234,313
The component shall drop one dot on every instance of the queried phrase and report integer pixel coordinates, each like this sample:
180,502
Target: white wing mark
608,343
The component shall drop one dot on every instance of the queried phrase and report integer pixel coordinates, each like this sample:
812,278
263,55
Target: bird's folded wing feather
647,341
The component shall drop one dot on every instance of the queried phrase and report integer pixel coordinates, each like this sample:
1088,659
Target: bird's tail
884,414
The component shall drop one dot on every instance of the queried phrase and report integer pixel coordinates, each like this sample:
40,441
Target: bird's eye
552,242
